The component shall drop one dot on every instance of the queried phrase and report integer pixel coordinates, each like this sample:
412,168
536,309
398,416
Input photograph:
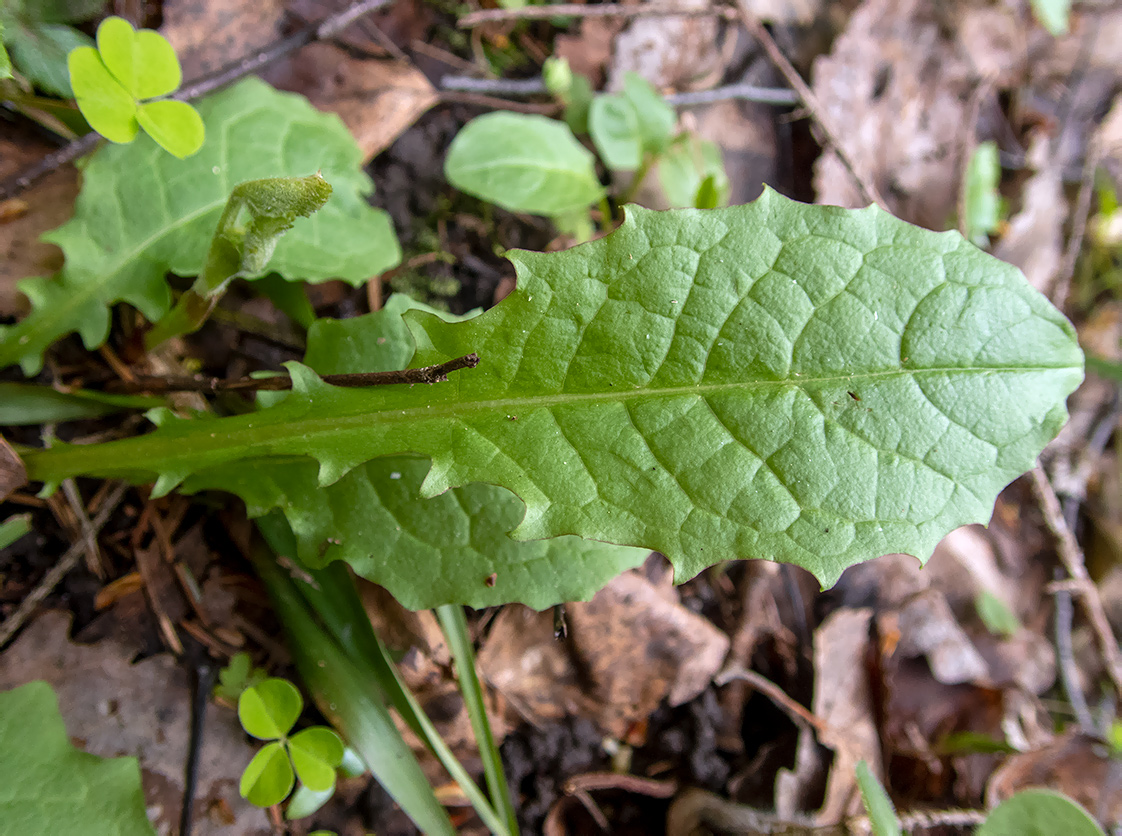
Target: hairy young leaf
801,383
48,786
524,164
449,549
142,213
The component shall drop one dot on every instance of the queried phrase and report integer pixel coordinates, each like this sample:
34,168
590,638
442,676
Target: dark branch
429,374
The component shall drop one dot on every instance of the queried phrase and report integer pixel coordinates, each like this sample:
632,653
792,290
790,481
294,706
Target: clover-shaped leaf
127,67
269,710
268,779
315,753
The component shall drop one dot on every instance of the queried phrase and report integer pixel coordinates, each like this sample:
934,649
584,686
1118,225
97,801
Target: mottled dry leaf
117,708
1074,764
628,648
668,51
376,99
843,700
45,206
208,34
896,90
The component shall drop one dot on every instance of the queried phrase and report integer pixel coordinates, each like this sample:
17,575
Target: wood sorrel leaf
175,126
801,383
268,779
143,62
48,786
142,214
315,753
448,549
107,105
269,709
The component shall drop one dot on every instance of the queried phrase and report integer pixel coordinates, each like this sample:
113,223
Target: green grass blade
459,642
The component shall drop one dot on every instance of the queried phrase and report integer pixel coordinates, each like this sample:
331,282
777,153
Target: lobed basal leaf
801,383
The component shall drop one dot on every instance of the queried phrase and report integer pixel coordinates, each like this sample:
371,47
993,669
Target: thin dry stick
809,100
799,714
89,536
1078,224
1072,558
581,10
60,570
327,28
428,374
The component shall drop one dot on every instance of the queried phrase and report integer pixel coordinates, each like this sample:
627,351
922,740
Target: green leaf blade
176,126
316,752
40,51
142,213
1039,812
268,710
268,779
523,164
48,786
107,106
801,383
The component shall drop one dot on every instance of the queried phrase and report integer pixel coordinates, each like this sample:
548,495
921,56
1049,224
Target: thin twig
536,87
428,374
592,781
806,96
60,570
1072,558
85,527
582,10
327,28
1065,661
800,715
1078,224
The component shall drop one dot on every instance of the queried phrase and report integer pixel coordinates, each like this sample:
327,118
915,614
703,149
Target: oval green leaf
268,710
614,127
315,754
268,779
108,107
176,126
1039,812
524,164
655,118
305,802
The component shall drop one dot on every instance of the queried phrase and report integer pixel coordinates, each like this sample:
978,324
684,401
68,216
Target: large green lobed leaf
142,213
448,549
48,786
801,383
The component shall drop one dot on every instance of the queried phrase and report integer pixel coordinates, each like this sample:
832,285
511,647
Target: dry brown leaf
669,52
112,708
628,648
376,99
209,34
1076,765
47,205
896,90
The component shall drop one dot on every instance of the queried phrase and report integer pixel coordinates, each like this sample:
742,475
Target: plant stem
636,181
459,642
334,599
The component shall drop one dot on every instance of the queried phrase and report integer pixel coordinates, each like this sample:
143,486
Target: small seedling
119,86
268,711
238,676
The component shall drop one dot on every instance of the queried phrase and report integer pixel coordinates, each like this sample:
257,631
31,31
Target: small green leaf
577,104
1039,812
523,164
654,116
882,815
40,50
268,710
143,62
316,752
981,201
48,786
107,106
1053,15
13,528
305,802
998,618
5,61
238,675
352,765
614,127
268,779
685,170
558,77
176,126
